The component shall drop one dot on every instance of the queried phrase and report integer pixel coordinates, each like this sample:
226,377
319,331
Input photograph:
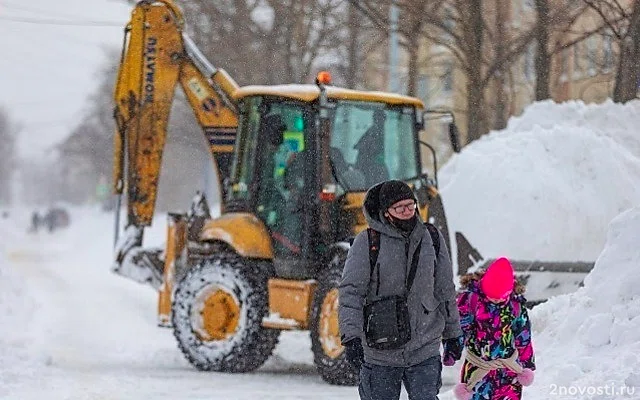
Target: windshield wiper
335,176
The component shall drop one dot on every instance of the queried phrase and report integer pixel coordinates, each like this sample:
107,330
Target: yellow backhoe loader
295,162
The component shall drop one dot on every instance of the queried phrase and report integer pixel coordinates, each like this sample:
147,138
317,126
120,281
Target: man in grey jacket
390,210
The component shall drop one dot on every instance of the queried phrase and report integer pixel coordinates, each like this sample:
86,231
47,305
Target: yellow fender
244,232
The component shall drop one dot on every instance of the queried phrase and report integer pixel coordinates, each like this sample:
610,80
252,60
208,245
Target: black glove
355,353
452,350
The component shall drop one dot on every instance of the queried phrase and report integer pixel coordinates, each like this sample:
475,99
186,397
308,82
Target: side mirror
435,161
445,116
454,137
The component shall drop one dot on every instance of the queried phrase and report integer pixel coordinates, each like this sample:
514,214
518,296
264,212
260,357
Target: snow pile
589,341
547,186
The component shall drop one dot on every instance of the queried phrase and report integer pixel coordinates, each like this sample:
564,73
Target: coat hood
375,216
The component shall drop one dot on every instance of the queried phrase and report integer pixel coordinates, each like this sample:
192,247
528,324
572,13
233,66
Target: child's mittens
461,392
452,350
526,377
447,360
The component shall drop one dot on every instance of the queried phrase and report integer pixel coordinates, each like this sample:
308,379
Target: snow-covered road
77,331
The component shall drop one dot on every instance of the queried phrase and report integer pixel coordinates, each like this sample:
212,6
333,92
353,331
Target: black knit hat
392,192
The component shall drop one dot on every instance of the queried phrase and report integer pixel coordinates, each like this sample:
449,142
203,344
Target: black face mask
405,225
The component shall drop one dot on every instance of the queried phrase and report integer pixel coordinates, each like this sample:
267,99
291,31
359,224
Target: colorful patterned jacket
493,330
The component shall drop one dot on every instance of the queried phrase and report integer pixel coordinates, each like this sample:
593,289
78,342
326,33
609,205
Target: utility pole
393,48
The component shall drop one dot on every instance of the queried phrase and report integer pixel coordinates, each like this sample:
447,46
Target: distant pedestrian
35,222
499,358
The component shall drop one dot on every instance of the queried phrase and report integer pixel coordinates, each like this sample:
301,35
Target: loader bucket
542,279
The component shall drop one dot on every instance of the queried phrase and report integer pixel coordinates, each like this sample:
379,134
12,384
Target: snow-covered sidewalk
73,330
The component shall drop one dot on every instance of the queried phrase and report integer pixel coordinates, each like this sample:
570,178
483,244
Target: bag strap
374,248
414,266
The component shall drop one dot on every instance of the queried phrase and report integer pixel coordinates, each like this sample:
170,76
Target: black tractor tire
328,353
242,283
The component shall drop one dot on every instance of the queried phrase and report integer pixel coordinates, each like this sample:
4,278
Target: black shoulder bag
386,320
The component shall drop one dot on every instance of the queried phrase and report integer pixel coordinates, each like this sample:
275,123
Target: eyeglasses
401,209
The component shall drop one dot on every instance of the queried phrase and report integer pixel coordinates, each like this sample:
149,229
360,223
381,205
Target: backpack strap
435,237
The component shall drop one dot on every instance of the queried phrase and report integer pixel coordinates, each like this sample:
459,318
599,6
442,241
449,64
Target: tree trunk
413,66
543,59
473,32
500,117
628,74
352,68
413,40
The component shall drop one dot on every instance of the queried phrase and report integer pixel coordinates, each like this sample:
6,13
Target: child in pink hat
499,357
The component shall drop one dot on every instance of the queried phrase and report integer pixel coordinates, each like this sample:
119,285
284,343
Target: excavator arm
157,56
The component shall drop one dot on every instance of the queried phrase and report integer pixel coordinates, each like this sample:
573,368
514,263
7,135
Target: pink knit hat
497,282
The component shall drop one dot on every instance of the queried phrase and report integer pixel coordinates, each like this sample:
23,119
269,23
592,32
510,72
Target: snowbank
547,186
589,341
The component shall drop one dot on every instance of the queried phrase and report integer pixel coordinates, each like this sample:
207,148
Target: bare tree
90,143
624,23
486,48
472,38
86,156
270,41
360,37
500,79
352,47
411,22
8,132
543,57
554,21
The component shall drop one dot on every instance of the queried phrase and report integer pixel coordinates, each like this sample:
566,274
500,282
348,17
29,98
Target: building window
577,59
516,12
403,84
447,78
607,49
449,25
564,65
592,54
423,89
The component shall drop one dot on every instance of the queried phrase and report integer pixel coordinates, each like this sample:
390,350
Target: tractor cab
302,167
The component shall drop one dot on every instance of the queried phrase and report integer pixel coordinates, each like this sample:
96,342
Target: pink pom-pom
461,392
526,377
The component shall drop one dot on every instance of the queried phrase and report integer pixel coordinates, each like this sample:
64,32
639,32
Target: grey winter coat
432,299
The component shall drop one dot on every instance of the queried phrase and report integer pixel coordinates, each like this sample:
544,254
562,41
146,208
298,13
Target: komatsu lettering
150,69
